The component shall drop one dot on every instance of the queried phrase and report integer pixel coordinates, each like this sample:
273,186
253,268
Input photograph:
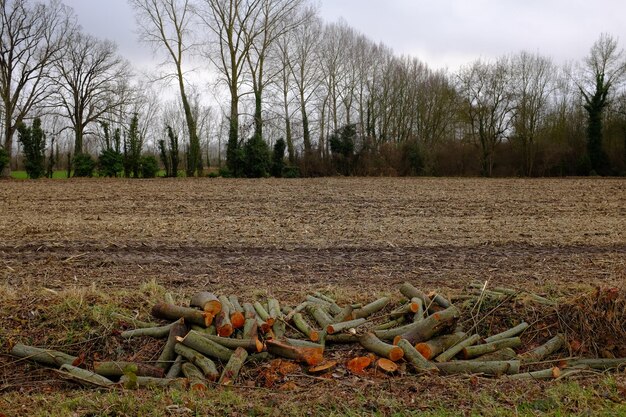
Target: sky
442,33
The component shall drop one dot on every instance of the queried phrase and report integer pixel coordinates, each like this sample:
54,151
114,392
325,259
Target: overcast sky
443,33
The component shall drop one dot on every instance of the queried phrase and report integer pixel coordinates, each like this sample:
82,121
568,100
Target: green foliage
256,158
132,148
291,172
149,166
4,158
84,165
33,142
168,152
342,144
413,160
110,163
224,172
278,158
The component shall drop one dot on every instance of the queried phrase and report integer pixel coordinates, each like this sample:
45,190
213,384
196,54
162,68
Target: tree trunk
548,348
195,377
417,361
474,367
43,356
424,329
478,350
346,325
232,368
168,355
198,342
114,369
372,343
321,317
434,347
371,308
176,368
86,377
191,316
410,292
457,348
303,326
509,333
206,365
311,354
252,345
160,332
550,373
206,301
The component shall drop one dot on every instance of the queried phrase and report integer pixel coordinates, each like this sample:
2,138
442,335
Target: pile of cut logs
211,340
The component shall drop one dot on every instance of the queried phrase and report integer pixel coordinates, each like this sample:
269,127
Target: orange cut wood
357,365
387,366
323,367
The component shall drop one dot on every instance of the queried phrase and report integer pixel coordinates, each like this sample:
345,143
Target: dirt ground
353,238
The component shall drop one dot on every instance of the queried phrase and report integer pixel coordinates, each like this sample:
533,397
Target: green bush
84,165
291,172
110,163
256,158
213,174
149,166
278,158
33,142
224,172
4,158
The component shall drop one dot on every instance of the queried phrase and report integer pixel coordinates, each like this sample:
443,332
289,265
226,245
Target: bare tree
92,79
168,24
31,37
533,85
604,69
488,105
229,22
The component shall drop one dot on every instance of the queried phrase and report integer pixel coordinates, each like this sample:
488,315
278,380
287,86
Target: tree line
291,95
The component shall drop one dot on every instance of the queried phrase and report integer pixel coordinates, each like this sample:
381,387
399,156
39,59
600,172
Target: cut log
263,314
250,330
387,366
195,377
321,317
160,332
390,324
206,365
419,314
132,321
204,330
474,367
509,333
168,355
434,347
548,348
173,312
598,364
346,325
478,350
357,365
205,346
345,314
206,301
415,359
331,307
176,368
372,343
251,345
371,308
439,300
232,368
237,316
505,354
85,377
148,382
323,367
43,356
408,308
299,308
279,326
425,329
454,350
409,291
324,297
223,324
115,369
304,328
310,355
236,319
248,311
550,373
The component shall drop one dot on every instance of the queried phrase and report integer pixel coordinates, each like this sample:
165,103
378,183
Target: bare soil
353,238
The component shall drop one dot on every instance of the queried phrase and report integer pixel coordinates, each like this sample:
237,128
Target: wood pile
210,340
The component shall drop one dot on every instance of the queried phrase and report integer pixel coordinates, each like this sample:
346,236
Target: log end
314,336
213,307
425,350
208,319
225,330
396,354
238,320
